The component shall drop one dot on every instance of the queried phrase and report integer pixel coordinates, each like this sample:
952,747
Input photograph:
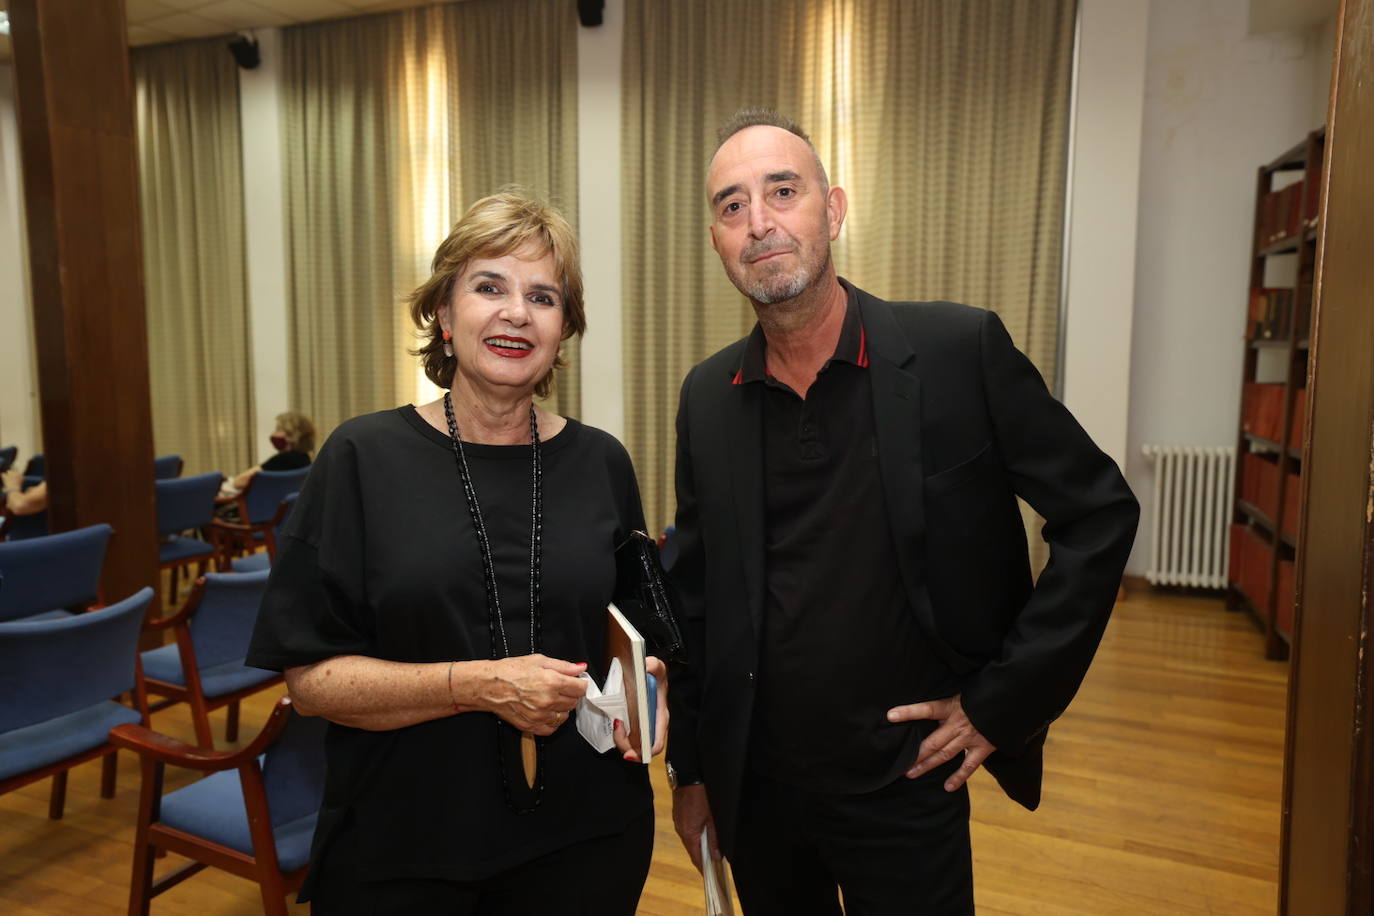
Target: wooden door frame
1327,838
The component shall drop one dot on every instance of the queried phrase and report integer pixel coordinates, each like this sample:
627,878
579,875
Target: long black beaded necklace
496,623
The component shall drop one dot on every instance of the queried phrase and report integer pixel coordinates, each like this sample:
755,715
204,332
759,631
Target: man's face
772,217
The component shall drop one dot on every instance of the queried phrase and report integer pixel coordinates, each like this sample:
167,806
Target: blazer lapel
897,418
743,431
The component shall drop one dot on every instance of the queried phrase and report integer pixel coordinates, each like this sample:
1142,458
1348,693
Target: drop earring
448,346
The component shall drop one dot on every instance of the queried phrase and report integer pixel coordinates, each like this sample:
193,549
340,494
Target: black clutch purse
644,594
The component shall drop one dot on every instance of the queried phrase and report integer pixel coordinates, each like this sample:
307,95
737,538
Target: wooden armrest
162,623
183,613
166,749
224,525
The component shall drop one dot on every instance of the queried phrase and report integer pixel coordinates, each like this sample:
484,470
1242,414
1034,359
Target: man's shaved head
767,117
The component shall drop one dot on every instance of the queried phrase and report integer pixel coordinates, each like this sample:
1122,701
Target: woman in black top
294,440
443,584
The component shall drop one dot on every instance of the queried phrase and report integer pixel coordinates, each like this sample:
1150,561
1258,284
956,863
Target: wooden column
1328,802
76,126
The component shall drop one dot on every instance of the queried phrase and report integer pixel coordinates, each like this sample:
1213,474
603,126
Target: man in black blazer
862,625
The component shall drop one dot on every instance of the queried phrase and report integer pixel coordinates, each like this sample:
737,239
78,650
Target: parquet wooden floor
1161,797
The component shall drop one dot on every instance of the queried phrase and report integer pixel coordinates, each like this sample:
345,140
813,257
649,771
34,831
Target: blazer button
751,677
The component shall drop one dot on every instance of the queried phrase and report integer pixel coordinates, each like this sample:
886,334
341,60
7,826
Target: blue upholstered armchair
204,666
258,507
58,682
49,576
253,818
166,467
185,504
264,559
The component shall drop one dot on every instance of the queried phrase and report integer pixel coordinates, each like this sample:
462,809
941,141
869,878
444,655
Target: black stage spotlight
589,11
245,51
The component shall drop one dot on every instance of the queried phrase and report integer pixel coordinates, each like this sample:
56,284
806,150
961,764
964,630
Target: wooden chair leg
58,800
201,717
149,807
109,769
273,892
231,723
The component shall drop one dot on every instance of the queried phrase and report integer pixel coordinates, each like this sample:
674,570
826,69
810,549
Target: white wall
598,214
1218,103
19,421
1104,177
1323,65
265,239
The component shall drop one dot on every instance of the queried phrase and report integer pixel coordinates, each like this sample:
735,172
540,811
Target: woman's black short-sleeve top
380,559
287,461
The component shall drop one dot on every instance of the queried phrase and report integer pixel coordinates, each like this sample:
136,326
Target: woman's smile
509,347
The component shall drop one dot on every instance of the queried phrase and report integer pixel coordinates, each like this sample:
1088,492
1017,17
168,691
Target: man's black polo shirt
840,643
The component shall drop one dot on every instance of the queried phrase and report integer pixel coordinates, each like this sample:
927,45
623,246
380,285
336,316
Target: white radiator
1190,533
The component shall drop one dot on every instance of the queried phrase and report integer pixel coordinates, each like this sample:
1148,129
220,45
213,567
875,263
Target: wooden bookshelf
1269,438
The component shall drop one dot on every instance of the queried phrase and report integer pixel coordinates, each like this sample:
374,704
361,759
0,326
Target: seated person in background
17,500
294,440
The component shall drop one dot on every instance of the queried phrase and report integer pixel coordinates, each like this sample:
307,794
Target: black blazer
964,425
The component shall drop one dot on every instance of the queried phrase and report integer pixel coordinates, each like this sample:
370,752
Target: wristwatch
675,783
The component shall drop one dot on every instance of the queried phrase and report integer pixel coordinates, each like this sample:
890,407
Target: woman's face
506,316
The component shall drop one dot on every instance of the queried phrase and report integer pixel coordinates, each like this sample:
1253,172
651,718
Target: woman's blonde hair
298,429
494,227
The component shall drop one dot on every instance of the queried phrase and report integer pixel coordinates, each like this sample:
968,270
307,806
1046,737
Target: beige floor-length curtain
338,81
395,124
513,119
191,195
945,120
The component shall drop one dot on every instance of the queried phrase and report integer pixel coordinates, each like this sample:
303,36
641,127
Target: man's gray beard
779,288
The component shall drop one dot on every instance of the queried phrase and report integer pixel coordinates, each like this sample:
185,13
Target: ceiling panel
157,21
184,25
243,14
143,35
138,10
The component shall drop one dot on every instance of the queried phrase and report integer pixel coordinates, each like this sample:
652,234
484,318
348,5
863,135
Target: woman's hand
620,732
534,693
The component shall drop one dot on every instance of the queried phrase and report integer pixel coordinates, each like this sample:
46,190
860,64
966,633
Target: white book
715,875
625,643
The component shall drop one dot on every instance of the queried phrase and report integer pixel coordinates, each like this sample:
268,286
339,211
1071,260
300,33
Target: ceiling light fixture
4,23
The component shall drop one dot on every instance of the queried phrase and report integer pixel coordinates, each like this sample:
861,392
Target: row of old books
1277,312
1261,412
1271,314
1299,418
1249,569
1259,486
1250,574
1288,211
1286,593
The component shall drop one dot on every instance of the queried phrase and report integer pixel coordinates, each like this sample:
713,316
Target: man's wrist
679,780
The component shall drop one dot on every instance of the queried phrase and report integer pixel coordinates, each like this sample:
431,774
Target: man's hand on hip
956,733
692,815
